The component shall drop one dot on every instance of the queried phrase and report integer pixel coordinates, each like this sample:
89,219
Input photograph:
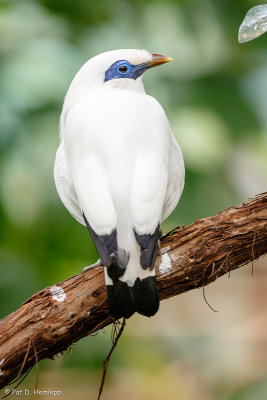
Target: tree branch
54,318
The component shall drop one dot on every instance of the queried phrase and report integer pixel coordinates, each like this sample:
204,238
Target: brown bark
192,257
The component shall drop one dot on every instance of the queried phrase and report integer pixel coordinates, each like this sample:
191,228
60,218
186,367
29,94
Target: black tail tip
142,297
119,300
146,298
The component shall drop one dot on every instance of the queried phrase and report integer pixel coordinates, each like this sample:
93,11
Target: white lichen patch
165,249
58,293
88,313
165,265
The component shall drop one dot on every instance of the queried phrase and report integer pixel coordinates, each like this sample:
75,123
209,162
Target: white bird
119,171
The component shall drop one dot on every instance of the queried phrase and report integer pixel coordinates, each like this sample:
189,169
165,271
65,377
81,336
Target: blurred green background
214,93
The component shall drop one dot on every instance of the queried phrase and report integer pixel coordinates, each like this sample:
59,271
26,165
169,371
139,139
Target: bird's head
118,68
131,64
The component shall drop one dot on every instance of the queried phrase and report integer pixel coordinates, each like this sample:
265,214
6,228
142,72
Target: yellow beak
158,59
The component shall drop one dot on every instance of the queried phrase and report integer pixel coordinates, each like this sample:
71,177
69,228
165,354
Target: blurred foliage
214,93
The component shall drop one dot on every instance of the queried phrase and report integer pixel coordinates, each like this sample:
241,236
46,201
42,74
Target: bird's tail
129,274
127,296
134,288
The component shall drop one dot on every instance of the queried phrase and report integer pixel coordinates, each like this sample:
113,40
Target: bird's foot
93,265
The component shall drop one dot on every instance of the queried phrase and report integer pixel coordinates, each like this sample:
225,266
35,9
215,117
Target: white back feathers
119,171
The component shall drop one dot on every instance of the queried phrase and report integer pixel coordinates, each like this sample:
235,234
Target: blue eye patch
123,69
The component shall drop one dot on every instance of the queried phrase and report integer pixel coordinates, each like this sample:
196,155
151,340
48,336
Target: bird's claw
92,265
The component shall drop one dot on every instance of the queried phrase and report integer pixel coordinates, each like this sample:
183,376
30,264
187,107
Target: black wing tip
148,244
142,297
114,259
106,245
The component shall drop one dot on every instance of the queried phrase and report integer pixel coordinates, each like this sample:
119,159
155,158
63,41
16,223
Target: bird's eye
123,69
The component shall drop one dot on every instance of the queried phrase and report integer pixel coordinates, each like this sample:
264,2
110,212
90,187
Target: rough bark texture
191,257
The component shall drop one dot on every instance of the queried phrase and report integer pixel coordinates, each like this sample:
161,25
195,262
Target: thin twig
206,301
25,358
253,256
69,354
37,367
106,362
